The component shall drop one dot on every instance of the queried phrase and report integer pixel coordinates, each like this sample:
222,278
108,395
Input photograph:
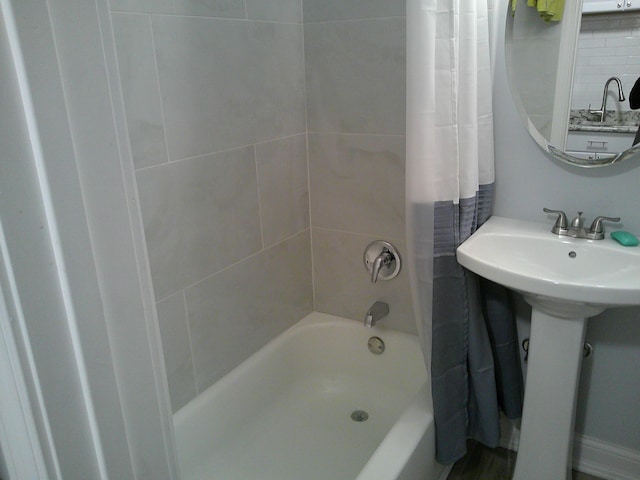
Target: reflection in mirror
607,67
558,72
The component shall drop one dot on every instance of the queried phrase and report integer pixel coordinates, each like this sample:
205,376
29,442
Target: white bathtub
285,413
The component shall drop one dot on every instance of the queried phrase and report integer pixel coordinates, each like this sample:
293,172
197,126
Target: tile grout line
161,103
258,193
193,361
308,159
234,264
217,152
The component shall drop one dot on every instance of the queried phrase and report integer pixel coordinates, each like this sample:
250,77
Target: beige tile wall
223,98
355,71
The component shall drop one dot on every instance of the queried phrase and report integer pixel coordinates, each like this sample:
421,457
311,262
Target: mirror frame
568,46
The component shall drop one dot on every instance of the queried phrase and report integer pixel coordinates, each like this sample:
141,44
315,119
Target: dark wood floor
482,463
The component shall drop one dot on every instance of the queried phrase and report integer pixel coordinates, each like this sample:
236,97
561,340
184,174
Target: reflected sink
565,280
561,275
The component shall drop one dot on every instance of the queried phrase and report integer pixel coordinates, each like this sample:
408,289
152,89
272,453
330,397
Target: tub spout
376,312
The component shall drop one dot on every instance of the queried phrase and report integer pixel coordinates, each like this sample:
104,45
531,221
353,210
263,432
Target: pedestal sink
565,280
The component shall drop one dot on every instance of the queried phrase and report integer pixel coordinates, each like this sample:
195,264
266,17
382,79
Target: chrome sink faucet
376,312
603,108
576,229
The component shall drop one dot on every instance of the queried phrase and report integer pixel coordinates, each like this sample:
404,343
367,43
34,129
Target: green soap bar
625,238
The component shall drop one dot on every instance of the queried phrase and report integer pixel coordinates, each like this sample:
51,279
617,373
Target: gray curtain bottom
475,364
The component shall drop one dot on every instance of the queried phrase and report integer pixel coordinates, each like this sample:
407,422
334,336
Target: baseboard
605,460
590,455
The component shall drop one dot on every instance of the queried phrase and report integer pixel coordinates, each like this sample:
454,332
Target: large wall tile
176,346
237,311
275,10
139,80
343,285
283,184
199,215
357,183
205,8
356,76
228,83
328,10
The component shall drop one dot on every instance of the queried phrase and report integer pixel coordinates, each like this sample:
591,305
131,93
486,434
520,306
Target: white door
21,455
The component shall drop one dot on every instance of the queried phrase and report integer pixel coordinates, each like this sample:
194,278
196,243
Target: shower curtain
467,329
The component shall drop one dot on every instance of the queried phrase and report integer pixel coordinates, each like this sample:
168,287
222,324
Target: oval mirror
572,79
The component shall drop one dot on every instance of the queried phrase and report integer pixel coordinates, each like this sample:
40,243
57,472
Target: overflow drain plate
359,416
376,345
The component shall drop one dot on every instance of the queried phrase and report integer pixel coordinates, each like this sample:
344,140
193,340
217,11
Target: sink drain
359,416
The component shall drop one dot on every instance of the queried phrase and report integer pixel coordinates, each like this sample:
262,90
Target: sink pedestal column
555,357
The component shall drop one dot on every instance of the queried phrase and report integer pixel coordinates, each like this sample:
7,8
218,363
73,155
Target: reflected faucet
603,108
376,312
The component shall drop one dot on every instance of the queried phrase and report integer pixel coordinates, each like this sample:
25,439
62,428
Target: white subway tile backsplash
622,41
627,51
594,52
607,60
590,42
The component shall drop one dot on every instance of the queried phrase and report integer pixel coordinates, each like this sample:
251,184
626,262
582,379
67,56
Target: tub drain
359,416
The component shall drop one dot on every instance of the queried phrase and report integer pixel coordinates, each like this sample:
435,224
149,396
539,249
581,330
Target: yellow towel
550,10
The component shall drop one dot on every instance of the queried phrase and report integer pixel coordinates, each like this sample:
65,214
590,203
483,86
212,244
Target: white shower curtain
450,177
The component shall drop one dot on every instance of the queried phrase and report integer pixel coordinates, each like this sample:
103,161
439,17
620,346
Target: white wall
527,181
84,287
35,270
3,469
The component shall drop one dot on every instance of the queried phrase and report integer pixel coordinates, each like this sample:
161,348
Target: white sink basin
527,257
566,281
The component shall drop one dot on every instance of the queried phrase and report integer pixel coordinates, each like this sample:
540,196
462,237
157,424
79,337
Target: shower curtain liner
467,327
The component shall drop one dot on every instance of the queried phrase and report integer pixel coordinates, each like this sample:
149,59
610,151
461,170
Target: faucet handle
577,223
600,112
383,260
596,231
561,225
